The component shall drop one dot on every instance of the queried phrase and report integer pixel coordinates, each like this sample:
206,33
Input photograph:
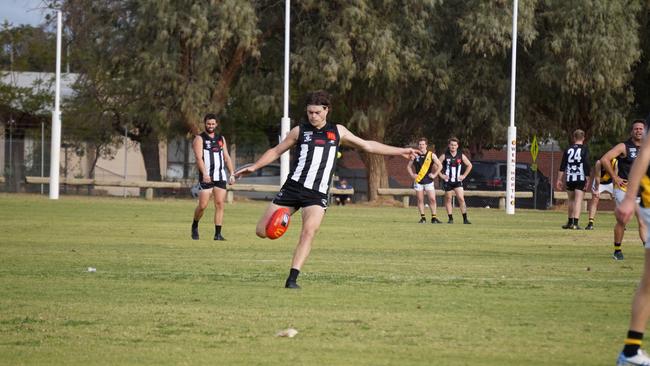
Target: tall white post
55,149
126,150
512,130
285,122
42,153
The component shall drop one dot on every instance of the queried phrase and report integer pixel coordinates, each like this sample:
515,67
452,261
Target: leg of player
419,195
643,226
204,199
578,195
219,203
433,206
593,208
619,231
632,353
460,196
260,229
619,227
312,216
449,207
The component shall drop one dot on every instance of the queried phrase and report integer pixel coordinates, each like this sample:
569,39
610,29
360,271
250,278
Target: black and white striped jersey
213,157
315,156
575,163
452,166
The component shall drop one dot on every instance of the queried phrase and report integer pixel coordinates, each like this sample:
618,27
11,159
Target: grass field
378,289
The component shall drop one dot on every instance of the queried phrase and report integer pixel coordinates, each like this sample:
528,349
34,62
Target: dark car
487,175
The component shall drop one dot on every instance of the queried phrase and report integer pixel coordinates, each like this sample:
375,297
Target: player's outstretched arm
374,147
271,154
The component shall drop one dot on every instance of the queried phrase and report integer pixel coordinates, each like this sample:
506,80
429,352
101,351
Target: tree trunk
375,164
151,155
377,173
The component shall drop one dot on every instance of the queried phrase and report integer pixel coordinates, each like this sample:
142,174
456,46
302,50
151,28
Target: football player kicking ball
317,143
632,353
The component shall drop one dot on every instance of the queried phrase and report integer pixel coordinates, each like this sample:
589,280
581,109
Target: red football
278,223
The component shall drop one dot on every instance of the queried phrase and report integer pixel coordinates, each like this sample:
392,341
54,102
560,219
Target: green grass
378,289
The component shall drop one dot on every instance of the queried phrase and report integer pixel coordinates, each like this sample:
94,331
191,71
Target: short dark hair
453,139
423,139
210,116
638,120
318,97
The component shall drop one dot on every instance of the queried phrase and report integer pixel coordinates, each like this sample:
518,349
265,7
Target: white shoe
640,359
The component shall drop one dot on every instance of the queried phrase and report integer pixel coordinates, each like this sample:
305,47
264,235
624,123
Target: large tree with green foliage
157,66
377,57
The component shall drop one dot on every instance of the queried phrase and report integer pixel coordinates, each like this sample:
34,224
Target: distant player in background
602,182
424,169
317,142
632,354
573,175
455,168
211,153
625,153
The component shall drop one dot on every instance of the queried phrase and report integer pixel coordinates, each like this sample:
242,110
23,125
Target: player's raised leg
260,229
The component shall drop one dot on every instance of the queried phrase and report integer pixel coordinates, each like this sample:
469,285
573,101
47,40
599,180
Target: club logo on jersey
633,152
458,161
220,143
307,135
331,135
208,144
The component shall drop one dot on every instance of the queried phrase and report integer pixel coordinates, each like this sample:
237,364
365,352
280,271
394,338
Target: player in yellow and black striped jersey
625,154
601,183
423,169
638,182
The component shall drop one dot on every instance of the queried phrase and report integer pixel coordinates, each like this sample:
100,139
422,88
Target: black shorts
218,184
293,194
579,185
450,186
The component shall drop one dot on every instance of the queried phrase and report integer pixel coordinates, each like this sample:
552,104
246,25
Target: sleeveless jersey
625,163
213,157
315,156
452,166
417,164
575,163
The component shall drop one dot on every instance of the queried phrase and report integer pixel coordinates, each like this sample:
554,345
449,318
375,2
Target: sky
19,12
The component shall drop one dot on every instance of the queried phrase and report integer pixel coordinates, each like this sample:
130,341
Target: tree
369,54
582,65
158,66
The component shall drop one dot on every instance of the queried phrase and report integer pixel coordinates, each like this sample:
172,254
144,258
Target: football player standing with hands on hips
424,169
455,168
632,354
316,144
625,153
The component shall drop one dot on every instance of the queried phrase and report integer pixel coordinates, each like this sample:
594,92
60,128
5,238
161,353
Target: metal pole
125,156
42,153
11,150
55,158
285,122
552,169
512,130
